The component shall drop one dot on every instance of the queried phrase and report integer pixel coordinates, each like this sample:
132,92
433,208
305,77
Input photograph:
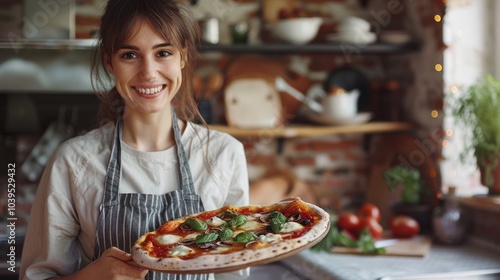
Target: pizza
232,238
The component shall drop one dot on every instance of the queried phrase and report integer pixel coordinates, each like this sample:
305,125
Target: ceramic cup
340,105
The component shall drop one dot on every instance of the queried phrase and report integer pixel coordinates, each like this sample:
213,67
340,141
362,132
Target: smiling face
147,69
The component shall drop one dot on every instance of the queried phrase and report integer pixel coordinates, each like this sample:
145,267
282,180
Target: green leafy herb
225,234
367,244
476,111
279,216
196,224
237,221
206,238
409,179
245,237
336,238
275,225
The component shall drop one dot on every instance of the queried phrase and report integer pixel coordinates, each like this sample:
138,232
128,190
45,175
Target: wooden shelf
488,203
48,44
292,131
344,48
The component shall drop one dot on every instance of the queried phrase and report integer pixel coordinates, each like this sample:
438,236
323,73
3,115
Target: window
472,51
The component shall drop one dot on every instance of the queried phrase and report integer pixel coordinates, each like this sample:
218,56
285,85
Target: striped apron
125,217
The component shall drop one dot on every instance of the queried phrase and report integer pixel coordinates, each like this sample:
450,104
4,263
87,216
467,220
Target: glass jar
450,221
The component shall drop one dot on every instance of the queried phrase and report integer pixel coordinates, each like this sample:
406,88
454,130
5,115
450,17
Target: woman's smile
149,91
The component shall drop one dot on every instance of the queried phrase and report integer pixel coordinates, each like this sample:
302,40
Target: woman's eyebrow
131,47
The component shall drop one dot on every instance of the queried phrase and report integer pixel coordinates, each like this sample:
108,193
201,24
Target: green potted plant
478,112
413,190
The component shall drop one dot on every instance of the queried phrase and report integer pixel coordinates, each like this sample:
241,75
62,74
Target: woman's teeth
149,90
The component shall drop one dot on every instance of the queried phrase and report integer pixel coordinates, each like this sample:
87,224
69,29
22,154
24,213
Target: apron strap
113,174
187,185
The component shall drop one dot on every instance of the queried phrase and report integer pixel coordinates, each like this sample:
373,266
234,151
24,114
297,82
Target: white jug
339,104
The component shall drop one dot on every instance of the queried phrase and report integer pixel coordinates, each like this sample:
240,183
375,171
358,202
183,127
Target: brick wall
337,167
334,167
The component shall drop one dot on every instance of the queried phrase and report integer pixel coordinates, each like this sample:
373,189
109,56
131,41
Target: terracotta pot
494,188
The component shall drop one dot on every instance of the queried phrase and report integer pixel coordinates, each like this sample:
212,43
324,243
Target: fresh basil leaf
275,225
279,216
206,238
196,224
237,221
225,234
245,237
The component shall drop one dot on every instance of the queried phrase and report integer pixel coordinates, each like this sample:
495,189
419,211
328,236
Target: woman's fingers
114,264
117,254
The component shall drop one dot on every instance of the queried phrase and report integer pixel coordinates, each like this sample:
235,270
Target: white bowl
296,30
355,24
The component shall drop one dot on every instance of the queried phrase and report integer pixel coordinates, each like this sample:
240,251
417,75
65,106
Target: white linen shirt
62,229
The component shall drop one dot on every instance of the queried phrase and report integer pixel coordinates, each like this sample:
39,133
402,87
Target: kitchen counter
474,255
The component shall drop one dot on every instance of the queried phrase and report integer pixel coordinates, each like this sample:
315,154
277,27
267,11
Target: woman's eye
164,53
128,55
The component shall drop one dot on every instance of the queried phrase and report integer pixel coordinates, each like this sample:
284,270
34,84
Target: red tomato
404,227
369,210
373,226
350,222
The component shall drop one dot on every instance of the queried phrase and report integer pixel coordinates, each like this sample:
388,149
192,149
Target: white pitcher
339,104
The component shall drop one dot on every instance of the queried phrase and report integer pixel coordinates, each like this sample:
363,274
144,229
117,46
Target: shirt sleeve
50,246
238,191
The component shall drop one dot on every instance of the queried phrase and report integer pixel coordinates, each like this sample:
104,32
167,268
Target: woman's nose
148,70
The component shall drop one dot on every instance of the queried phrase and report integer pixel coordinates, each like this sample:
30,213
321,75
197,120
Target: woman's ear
107,64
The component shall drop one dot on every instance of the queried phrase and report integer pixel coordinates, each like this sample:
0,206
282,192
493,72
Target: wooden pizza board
229,268
417,246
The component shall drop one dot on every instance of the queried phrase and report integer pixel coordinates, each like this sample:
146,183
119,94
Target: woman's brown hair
173,20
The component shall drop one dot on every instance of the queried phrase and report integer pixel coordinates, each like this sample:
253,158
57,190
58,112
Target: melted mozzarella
215,221
291,226
191,236
180,251
168,239
255,216
252,226
270,238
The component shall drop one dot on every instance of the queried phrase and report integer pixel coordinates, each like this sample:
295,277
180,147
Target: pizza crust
215,263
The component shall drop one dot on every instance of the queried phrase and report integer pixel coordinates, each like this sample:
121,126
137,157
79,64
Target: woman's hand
112,265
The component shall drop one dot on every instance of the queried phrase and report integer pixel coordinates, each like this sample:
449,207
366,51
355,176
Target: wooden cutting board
417,246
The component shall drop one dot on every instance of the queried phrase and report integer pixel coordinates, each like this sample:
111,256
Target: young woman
147,165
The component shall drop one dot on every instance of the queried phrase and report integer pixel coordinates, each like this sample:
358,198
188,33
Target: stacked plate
353,30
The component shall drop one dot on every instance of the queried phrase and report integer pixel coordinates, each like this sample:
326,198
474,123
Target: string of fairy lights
438,67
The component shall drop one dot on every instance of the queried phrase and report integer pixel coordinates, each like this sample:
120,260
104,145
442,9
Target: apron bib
123,218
